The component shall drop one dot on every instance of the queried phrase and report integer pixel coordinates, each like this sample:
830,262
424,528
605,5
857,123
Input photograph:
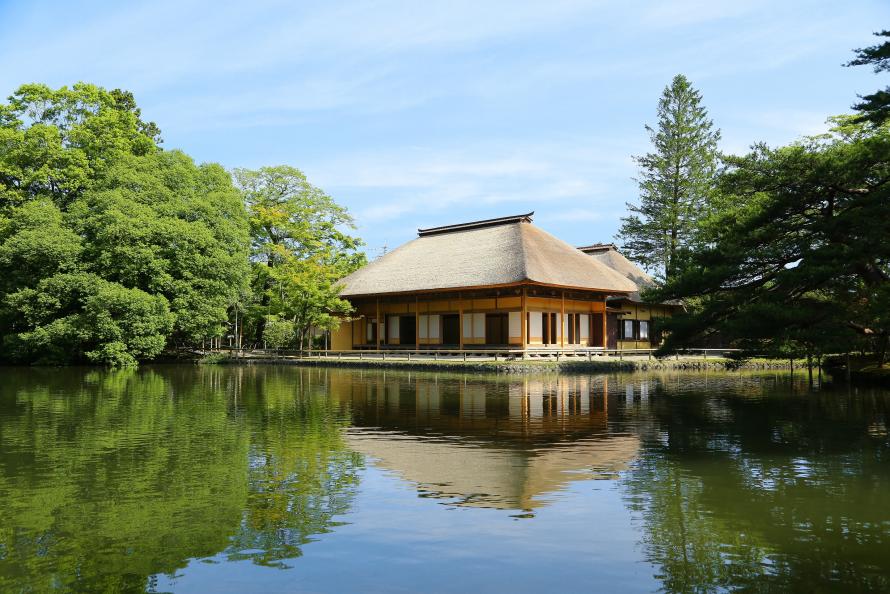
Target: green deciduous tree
109,247
71,316
300,248
278,333
676,181
798,258
169,227
89,203
60,142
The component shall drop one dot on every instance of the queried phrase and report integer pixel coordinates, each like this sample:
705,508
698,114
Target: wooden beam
417,323
562,320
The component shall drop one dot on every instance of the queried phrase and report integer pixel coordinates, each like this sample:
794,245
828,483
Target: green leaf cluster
110,248
301,247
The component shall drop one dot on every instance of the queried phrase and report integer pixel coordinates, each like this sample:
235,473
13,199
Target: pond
282,479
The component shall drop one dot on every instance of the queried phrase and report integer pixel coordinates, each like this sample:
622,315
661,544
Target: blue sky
417,114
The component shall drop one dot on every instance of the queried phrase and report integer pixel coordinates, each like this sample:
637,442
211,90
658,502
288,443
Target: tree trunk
810,368
882,349
264,302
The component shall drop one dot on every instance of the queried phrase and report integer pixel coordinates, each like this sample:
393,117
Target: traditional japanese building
493,283
631,322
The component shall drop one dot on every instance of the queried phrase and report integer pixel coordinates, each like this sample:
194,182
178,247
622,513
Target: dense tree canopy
59,142
796,257
299,249
112,250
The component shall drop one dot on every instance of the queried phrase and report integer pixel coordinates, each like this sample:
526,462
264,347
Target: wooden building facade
493,283
632,323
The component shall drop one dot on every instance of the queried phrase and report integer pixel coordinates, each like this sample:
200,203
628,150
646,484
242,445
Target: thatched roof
494,252
609,255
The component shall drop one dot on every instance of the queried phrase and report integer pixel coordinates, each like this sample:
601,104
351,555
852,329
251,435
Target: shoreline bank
520,366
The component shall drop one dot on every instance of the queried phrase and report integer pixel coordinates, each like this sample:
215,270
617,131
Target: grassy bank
522,366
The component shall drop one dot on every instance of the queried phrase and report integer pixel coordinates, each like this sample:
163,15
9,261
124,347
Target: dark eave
597,247
522,218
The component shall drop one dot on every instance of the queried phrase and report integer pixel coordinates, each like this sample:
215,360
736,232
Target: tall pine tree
676,180
874,108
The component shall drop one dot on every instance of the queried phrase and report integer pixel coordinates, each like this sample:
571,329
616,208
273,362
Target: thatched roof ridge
523,218
495,252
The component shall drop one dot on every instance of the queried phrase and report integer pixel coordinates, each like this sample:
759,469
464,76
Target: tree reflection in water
107,478
115,481
747,487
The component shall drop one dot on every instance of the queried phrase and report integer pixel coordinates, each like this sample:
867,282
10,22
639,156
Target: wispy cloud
415,114
566,182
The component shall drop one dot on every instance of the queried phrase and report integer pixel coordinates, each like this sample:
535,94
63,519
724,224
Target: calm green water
279,479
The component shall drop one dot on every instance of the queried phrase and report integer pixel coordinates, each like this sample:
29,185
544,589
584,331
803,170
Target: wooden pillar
524,320
605,326
380,326
460,319
417,323
562,321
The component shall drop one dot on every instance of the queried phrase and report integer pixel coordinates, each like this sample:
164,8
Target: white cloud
570,179
424,112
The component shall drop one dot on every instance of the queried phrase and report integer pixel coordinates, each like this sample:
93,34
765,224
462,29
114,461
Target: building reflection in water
504,444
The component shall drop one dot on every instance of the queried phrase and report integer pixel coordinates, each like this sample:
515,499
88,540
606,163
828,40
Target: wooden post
605,326
524,322
417,323
460,325
379,325
562,322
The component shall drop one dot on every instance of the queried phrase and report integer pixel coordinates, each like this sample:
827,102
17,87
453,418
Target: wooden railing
497,354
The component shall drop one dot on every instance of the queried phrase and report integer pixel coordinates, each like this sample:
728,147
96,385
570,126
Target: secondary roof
609,255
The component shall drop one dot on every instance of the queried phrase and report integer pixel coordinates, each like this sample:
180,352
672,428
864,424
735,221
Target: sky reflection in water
282,479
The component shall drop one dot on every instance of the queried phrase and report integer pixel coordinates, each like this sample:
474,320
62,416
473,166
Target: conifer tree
676,180
874,107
